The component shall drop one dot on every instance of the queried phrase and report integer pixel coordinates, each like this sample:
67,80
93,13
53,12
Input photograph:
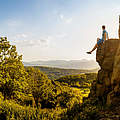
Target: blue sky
57,29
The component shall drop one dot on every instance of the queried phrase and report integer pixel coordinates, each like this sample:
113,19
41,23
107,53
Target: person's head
103,27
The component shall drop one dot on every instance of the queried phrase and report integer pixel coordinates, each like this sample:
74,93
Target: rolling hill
71,64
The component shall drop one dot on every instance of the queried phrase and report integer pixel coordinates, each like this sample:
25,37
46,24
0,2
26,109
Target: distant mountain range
71,64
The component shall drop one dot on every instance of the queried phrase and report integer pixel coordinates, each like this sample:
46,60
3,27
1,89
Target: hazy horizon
57,29
66,64
60,60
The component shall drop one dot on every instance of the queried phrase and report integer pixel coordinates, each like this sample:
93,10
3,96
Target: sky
57,29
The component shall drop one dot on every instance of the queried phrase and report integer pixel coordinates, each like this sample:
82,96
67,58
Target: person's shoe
88,52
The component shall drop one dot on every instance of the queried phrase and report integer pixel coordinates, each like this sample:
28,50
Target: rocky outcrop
107,86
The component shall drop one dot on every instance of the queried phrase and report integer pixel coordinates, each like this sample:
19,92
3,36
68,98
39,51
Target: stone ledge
107,85
105,53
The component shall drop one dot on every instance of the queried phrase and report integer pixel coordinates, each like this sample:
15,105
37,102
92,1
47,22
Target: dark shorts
100,41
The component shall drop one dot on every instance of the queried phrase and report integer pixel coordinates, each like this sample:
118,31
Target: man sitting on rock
100,41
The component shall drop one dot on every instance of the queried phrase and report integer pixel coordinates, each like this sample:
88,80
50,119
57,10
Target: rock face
107,86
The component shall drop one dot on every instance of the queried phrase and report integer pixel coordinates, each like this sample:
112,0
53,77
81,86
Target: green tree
38,83
12,72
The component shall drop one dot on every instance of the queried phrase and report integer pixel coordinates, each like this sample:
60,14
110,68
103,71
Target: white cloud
30,40
13,23
25,40
64,35
69,20
65,19
19,36
61,16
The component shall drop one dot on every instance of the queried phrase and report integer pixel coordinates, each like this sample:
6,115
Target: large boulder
107,85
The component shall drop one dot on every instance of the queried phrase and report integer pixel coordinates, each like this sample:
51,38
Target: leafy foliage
29,94
12,73
47,93
80,80
37,82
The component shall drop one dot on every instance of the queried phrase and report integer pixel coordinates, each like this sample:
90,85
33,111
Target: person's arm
105,36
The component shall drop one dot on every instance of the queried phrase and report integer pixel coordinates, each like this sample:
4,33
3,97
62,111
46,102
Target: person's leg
96,45
94,48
